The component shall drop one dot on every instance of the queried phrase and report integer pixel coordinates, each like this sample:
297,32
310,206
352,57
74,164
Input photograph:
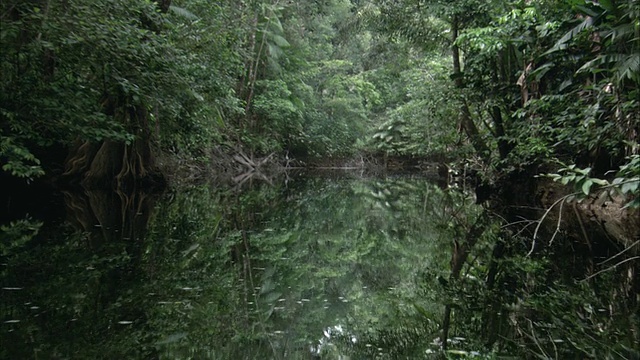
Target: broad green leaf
630,187
600,182
586,186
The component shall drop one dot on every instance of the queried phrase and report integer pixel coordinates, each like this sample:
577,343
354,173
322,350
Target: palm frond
630,68
367,16
561,44
624,65
595,64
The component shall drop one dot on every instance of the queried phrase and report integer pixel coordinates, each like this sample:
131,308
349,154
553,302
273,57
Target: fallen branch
546,213
620,253
249,162
610,268
244,160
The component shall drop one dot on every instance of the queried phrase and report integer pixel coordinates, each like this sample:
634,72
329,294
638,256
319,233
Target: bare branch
546,213
610,268
620,253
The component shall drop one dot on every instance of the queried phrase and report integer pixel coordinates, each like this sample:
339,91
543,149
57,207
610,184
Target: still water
326,267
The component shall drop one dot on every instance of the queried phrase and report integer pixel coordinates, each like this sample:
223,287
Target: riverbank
231,166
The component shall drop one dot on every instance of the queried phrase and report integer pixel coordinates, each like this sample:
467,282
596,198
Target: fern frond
183,12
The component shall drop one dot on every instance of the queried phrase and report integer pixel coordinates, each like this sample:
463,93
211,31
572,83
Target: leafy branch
626,181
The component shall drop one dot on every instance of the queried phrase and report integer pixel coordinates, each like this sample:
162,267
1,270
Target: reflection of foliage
339,237
261,272
343,267
509,304
67,301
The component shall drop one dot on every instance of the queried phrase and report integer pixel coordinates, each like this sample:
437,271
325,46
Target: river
336,266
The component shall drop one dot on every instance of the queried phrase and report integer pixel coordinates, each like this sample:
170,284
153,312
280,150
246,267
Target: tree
74,74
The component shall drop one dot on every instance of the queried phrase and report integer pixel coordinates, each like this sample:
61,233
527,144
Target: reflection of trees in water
110,216
302,261
499,301
81,281
115,226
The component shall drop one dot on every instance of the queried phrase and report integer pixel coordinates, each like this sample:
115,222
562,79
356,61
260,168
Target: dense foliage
109,94
514,83
319,267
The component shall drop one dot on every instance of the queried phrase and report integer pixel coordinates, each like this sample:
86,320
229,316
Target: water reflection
109,216
75,280
317,268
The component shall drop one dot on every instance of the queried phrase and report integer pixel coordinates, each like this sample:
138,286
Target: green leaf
584,171
617,181
600,182
634,204
630,187
280,41
183,12
423,312
586,186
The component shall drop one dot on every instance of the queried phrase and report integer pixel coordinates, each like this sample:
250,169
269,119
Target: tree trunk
104,166
111,164
253,73
466,122
504,148
164,5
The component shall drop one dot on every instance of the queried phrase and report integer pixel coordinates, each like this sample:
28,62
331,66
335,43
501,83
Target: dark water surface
315,267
